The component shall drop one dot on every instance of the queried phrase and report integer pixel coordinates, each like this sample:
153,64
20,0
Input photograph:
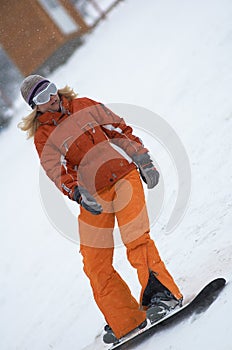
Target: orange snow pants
125,201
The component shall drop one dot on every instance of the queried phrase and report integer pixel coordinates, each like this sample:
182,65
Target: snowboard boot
161,304
110,338
158,300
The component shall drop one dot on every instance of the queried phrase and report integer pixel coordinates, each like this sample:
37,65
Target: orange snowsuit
74,148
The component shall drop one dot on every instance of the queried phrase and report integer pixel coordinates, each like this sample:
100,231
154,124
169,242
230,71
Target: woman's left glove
148,172
84,198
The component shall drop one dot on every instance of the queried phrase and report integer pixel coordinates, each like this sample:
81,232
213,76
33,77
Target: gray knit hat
31,85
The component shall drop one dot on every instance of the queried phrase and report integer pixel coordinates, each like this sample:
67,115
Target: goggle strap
33,93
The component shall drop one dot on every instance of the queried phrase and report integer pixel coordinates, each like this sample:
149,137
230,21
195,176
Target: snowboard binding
110,338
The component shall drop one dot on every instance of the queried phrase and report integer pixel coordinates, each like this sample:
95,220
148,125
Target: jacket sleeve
118,131
56,167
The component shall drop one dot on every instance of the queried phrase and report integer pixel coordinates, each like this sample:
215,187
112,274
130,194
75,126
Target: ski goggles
45,95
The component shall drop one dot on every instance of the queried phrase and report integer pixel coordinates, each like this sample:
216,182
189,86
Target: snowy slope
173,57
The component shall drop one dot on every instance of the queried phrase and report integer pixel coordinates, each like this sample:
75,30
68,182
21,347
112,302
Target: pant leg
134,227
111,293
144,256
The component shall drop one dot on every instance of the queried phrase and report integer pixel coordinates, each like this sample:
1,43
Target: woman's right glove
84,198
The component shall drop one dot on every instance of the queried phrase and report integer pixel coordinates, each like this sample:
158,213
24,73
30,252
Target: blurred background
39,35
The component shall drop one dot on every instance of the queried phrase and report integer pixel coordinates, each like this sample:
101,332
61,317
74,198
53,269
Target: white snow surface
173,57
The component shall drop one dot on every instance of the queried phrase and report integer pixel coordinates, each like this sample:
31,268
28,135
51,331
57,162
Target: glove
147,170
84,198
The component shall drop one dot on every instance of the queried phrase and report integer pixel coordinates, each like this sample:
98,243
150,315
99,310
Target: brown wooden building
33,30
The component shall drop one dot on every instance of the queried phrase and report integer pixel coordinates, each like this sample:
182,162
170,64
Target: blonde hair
30,123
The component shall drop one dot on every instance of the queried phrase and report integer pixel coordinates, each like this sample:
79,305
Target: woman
93,158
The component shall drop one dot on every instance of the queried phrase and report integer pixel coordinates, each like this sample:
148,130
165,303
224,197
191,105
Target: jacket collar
56,117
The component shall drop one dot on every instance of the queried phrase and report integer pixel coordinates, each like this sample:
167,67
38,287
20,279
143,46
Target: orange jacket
81,145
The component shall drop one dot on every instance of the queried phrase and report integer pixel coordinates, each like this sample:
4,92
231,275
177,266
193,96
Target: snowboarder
93,157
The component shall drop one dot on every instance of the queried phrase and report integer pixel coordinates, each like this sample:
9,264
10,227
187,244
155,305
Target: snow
172,57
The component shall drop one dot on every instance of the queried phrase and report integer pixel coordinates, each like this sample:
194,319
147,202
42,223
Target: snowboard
197,305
